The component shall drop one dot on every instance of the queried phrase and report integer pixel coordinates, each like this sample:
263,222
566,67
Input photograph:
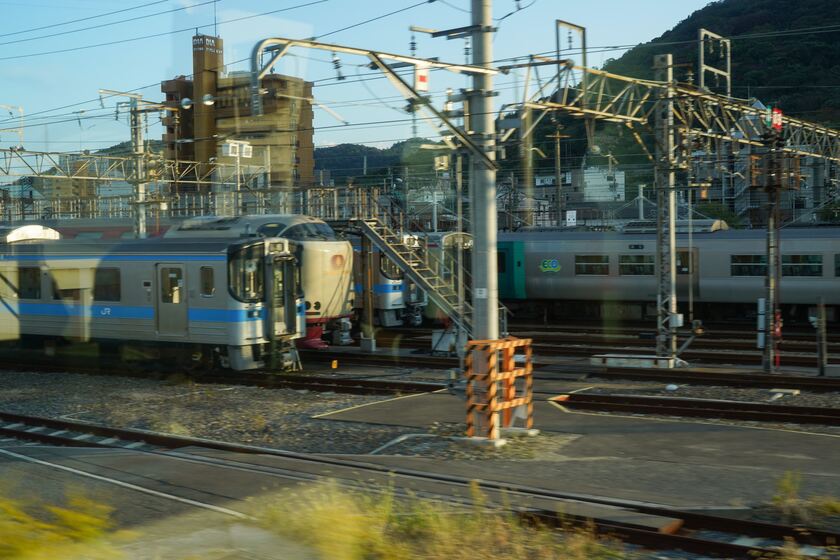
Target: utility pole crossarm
436,117
280,46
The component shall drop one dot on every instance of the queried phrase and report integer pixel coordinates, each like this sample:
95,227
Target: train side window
106,284
29,278
171,282
501,262
597,265
802,265
636,265
69,283
748,265
837,264
208,285
683,262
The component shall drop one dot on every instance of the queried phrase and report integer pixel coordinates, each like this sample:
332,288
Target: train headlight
337,261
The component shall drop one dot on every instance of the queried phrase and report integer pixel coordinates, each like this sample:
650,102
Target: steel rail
701,408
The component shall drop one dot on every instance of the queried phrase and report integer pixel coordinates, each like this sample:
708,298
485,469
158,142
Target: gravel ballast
280,418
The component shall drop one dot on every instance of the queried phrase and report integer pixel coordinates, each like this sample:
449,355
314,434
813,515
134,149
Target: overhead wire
88,18
377,18
155,84
108,24
164,33
596,49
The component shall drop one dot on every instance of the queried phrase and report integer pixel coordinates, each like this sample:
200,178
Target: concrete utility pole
527,160
822,343
137,122
483,177
666,211
773,187
558,175
138,147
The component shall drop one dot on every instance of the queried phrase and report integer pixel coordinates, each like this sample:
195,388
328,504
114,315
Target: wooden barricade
486,378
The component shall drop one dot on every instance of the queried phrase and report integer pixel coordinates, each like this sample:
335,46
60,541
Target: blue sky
43,84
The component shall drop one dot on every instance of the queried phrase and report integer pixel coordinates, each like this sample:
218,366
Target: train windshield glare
246,273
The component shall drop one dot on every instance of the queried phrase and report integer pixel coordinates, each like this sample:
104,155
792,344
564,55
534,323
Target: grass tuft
339,524
75,531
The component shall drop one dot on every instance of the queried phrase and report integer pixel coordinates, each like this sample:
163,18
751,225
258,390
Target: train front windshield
313,231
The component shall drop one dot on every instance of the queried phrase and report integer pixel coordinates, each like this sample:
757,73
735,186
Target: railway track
701,408
671,528
732,352
363,384
707,376
715,331
346,384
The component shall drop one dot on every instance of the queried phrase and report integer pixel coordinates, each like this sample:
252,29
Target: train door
282,300
171,300
688,273
505,260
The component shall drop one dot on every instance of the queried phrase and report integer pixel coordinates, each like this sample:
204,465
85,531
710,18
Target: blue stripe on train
76,310
163,259
132,312
226,315
382,288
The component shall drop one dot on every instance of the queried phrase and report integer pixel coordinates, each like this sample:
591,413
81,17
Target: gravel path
280,418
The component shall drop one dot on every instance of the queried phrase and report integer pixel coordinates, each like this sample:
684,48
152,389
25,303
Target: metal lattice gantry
630,101
674,113
96,167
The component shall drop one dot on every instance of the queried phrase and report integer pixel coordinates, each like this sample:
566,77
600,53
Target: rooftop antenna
215,21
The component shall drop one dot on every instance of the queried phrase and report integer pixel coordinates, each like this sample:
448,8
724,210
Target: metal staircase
422,268
381,221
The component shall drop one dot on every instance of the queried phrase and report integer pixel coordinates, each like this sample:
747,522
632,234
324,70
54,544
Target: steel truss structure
676,114
95,167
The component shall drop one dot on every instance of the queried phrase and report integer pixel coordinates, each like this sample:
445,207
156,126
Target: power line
82,19
383,16
101,25
162,34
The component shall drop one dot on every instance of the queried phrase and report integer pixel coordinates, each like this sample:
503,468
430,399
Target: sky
54,72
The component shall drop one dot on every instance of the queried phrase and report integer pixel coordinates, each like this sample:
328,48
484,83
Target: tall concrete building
282,138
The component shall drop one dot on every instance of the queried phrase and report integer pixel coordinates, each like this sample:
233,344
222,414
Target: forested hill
784,52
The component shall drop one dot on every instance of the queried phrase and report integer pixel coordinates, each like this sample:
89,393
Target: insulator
337,65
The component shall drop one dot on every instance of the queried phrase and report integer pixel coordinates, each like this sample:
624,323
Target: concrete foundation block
482,442
519,432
